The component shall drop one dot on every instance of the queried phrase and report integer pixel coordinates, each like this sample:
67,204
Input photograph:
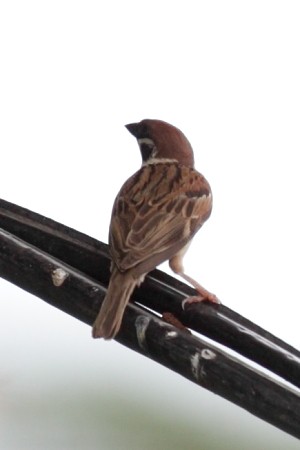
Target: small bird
154,218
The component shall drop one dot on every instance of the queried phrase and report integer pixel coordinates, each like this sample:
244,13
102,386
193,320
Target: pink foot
200,298
211,298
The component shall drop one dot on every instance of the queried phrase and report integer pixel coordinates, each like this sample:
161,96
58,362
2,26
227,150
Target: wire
70,271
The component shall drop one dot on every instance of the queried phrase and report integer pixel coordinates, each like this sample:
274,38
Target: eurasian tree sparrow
154,218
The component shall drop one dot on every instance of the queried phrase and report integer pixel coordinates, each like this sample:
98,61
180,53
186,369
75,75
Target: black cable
80,296
159,292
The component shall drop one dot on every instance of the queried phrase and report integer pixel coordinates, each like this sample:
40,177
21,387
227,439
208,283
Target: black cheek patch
146,151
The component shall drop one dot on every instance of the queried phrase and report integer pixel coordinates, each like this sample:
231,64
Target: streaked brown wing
158,209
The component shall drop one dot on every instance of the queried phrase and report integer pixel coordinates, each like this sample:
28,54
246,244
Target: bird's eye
147,148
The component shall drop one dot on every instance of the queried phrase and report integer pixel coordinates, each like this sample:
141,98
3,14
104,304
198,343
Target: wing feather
157,210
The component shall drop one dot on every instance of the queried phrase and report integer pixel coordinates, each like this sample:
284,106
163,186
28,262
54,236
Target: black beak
134,129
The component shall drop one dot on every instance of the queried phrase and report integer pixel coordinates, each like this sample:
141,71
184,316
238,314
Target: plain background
72,74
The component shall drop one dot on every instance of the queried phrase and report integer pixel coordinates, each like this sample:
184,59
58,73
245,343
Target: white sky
226,73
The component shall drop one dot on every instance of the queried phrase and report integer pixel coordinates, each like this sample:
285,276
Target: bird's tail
109,319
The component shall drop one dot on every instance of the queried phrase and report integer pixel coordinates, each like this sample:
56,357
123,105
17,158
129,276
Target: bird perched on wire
154,218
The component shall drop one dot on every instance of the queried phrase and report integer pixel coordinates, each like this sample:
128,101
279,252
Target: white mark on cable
195,362
141,325
206,353
171,334
59,276
196,366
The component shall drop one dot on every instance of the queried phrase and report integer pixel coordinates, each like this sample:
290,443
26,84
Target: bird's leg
177,267
204,293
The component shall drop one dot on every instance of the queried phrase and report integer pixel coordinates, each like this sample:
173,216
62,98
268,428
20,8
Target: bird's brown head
160,140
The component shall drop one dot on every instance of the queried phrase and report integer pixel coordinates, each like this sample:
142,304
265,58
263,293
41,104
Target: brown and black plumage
155,215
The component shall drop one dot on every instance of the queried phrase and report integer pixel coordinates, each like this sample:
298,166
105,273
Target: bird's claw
201,298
